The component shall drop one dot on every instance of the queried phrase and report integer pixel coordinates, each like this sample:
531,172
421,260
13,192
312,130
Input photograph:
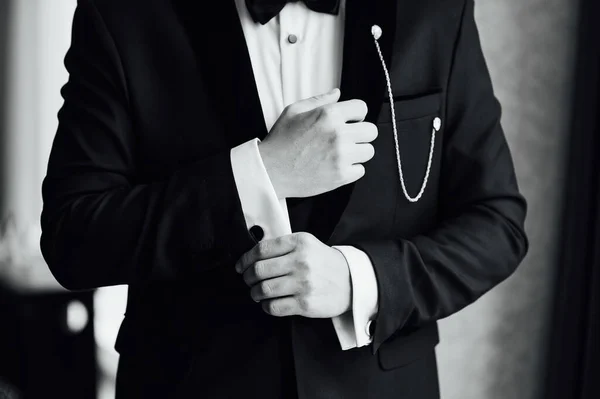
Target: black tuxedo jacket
140,191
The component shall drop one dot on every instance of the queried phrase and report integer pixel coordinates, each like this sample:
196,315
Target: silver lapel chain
437,124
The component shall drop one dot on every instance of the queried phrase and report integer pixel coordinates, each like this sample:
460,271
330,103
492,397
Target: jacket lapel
362,78
224,63
362,74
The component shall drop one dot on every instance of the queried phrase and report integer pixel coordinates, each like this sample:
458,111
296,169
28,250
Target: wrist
272,170
347,276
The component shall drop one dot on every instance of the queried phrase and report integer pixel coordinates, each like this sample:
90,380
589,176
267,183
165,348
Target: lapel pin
376,32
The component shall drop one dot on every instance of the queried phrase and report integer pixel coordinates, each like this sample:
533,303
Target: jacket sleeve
100,225
480,239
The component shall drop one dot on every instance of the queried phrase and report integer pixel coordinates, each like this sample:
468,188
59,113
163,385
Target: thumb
316,101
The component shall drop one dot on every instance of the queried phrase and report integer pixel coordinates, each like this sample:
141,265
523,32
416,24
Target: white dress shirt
296,55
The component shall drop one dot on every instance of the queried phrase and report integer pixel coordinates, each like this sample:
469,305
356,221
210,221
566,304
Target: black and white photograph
300,199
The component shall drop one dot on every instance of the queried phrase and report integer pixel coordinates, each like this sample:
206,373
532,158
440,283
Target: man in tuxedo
294,192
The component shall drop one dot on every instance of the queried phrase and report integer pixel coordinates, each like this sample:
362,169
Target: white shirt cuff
260,204
261,207
352,328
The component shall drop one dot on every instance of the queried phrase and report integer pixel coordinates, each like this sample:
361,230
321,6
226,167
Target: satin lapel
225,66
362,78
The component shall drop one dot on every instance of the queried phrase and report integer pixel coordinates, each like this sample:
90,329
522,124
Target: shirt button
257,233
292,38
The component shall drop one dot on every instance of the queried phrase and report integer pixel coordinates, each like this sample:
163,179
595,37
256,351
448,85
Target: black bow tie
263,10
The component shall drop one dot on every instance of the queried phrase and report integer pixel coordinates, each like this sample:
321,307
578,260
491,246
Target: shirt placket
290,41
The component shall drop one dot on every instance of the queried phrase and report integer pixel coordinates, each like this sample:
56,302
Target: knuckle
306,286
259,249
296,238
334,137
280,241
273,308
290,110
336,150
307,236
266,288
267,307
303,263
335,147
300,237
302,240
328,115
291,239
259,269
303,304
327,111
263,249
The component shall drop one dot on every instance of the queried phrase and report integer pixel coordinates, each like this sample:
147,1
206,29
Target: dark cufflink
257,233
370,328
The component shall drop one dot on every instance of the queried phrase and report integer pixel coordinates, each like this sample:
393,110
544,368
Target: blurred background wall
3,61
34,37
494,348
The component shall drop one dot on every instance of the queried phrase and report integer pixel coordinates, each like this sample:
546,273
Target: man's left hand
297,274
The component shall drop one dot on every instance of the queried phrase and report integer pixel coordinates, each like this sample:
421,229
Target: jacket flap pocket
404,349
412,107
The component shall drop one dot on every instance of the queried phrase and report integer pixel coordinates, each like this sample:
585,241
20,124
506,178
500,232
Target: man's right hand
317,145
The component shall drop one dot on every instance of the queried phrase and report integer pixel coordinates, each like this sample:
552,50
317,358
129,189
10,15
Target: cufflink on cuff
370,328
257,233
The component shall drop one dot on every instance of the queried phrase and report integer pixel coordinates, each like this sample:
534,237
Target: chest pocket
381,187
418,121
409,108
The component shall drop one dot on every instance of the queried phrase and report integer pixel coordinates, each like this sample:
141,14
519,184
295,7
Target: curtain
574,352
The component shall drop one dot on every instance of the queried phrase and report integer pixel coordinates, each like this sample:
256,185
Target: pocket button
437,124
